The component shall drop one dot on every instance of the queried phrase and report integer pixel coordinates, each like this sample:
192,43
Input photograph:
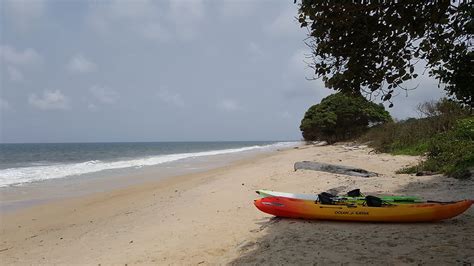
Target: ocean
29,163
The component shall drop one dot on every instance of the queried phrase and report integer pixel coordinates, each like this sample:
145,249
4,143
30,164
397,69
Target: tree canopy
341,116
372,46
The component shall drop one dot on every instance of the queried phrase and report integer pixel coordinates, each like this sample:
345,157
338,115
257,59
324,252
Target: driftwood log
333,168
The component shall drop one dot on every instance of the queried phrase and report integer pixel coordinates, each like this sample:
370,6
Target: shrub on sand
445,136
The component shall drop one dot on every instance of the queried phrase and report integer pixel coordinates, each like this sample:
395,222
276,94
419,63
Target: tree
371,47
341,116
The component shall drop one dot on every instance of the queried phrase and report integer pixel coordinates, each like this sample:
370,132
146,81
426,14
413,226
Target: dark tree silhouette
372,46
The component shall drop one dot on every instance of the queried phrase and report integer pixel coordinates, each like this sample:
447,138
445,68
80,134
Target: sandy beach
209,218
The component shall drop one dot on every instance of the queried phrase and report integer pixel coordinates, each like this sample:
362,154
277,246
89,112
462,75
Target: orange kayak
308,209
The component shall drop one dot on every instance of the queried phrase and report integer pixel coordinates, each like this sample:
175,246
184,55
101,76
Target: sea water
31,174
26,163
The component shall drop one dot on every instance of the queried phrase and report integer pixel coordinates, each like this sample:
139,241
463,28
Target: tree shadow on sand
292,241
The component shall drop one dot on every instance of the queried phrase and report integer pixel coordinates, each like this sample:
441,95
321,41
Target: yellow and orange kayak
308,209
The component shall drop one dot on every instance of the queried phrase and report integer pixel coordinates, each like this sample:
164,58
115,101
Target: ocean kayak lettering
351,213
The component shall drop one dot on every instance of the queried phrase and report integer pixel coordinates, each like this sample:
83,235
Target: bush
412,136
445,135
340,117
404,137
452,152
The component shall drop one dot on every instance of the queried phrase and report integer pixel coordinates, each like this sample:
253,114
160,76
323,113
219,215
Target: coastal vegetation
444,135
370,49
341,116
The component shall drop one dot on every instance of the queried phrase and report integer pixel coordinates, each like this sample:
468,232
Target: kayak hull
306,209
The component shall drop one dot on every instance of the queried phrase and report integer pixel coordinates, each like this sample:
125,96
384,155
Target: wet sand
209,218
58,189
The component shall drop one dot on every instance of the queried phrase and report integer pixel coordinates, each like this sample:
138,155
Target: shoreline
209,218
39,192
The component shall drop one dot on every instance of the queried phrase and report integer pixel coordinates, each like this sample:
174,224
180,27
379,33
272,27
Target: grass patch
416,149
445,136
452,152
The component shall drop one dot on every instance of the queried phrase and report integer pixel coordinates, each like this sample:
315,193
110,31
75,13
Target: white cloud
50,100
254,49
298,69
16,59
186,16
115,10
285,24
285,115
24,13
237,9
229,105
80,64
130,9
14,74
11,55
152,20
4,105
141,17
170,97
104,94
155,31
298,63
92,107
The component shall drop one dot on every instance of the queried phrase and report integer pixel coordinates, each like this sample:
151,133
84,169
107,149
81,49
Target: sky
138,70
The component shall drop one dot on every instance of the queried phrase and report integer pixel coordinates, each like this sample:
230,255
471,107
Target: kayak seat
373,201
326,198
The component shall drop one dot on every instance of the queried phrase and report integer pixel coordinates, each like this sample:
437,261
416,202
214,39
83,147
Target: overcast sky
82,71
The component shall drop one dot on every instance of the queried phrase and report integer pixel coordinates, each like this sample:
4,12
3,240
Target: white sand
209,218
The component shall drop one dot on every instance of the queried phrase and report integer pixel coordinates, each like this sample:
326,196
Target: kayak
395,199
309,209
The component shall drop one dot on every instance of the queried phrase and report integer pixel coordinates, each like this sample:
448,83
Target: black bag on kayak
354,193
325,198
373,201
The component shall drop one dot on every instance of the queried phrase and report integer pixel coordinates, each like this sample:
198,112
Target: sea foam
21,175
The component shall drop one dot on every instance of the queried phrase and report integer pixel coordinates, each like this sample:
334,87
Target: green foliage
373,46
340,117
445,136
412,136
405,137
459,76
452,152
